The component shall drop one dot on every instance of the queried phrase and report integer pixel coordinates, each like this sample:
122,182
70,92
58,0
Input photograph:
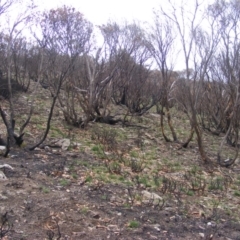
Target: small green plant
136,165
165,160
105,136
74,176
238,181
71,167
196,180
143,180
64,182
89,179
56,132
114,167
126,205
215,203
97,149
45,189
121,178
102,178
113,177
133,154
133,224
84,210
194,170
84,163
237,193
217,184
104,197
157,180
190,193
138,197
168,185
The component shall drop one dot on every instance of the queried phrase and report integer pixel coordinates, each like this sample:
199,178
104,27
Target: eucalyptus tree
225,71
12,30
65,35
89,90
127,44
198,45
21,62
5,5
162,40
91,87
116,71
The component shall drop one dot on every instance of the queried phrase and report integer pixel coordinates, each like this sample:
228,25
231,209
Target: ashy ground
116,182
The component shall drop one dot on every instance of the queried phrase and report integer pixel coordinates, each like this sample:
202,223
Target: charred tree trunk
162,128
174,135
185,145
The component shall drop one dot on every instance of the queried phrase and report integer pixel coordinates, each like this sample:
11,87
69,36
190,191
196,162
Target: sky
99,11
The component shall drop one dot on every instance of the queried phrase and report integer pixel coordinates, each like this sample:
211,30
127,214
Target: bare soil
78,194
38,206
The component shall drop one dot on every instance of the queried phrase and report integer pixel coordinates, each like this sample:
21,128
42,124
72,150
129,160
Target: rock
237,161
157,227
115,199
2,176
76,144
212,224
2,197
169,209
6,166
202,235
37,149
94,215
2,150
47,149
63,143
149,197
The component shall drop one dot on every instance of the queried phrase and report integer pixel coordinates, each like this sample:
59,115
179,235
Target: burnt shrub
4,91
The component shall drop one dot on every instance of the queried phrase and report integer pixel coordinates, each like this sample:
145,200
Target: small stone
47,149
214,224
63,143
2,150
113,228
112,199
149,197
2,197
157,227
202,235
79,234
